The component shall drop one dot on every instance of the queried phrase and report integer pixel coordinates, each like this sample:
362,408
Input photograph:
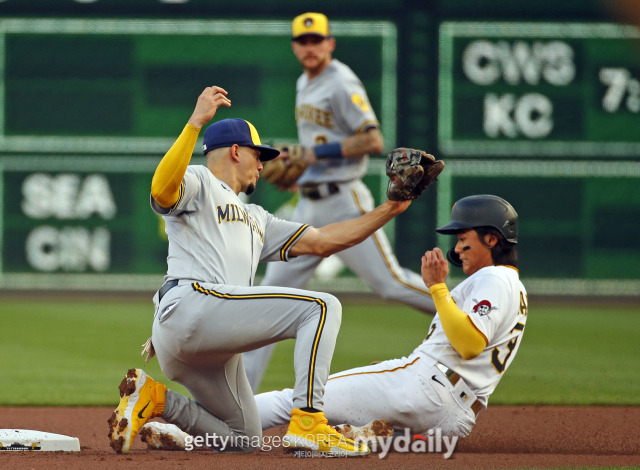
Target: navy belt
166,287
319,191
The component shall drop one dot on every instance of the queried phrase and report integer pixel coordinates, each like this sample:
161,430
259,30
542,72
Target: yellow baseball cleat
141,398
311,431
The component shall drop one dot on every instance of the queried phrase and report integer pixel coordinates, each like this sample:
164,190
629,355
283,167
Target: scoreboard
89,106
545,113
128,86
548,90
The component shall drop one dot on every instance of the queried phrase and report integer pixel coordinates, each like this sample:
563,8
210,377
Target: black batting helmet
482,210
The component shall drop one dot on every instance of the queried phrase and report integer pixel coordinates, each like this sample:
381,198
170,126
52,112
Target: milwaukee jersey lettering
233,213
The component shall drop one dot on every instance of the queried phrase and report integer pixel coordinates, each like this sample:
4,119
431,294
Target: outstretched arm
339,236
165,186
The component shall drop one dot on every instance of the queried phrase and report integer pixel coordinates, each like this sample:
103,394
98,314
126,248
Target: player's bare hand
435,267
208,103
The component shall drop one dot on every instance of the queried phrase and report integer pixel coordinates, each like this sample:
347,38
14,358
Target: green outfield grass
75,351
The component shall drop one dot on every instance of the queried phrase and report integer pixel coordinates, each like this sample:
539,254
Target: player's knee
250,440
256,437
325,306
392,291
333,308
457,424
388,292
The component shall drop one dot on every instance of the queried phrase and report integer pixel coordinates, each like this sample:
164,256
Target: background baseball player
337,129
471,342
208,312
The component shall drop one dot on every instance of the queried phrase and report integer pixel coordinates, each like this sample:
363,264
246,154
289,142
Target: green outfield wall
538,103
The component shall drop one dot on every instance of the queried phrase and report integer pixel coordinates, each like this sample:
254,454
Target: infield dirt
505,437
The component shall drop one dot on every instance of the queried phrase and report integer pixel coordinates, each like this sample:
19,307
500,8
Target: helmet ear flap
454,258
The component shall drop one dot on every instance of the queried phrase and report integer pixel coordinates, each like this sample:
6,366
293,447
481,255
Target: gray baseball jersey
413,392
202,325
214,237
329,108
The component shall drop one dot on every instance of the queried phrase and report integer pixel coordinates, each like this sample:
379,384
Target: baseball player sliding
337,130
447,380
208,312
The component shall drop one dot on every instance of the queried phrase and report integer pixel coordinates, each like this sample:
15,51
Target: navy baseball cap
227,132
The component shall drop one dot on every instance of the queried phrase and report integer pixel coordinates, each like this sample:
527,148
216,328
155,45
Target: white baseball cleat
377,428
163,436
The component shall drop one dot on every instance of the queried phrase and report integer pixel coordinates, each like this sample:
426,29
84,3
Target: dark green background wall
144,86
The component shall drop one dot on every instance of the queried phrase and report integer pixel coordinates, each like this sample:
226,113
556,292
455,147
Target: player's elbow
326,250
321,242
376,144
468,354
471,348
316,251
321,250
165,194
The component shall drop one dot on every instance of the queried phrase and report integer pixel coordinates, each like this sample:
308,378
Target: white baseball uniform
418,391
202,325
329,108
